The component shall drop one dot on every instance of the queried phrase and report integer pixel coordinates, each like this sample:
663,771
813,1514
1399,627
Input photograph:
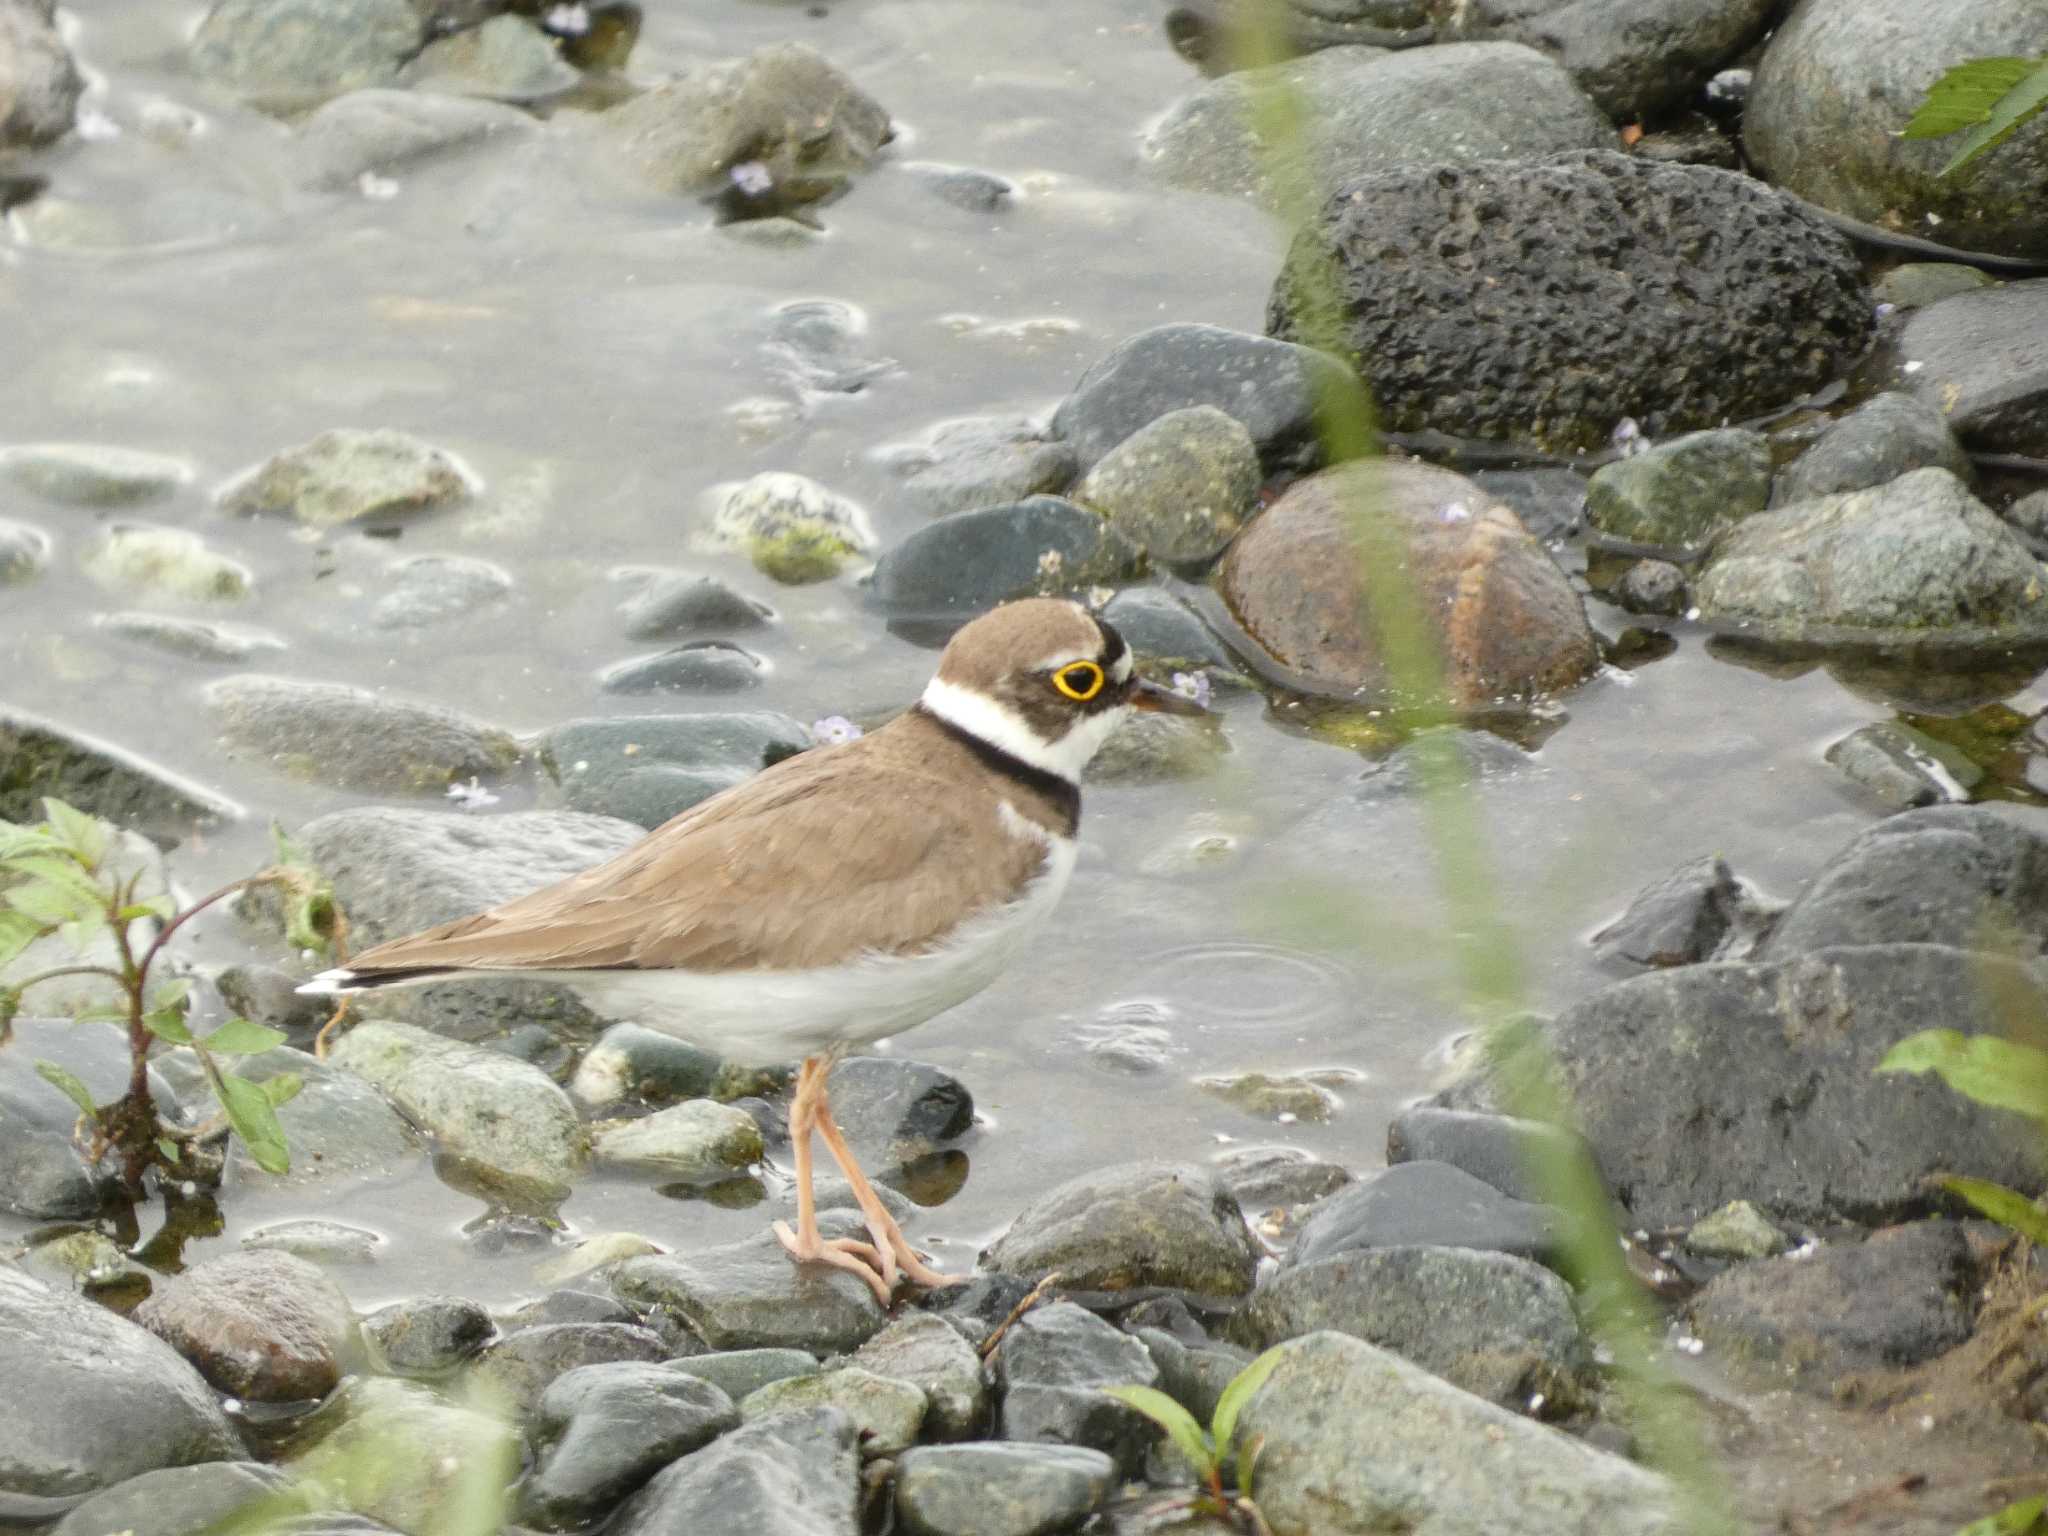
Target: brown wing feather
861,848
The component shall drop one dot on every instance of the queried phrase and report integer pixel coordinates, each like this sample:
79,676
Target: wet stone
1152,748
1428,1204
1443,754
92,1264
603,1430
269,996
1678,920
886,1413
427,1336
1049,1373
352,738
693,1141
1262,1178
703,666
507,58
1511,1155
1679,495
1164,631
391,133
816,347
1285,1098
1904,767
752,1295
571,1305
1887,436
96,475
262,1326
981,461
433,589
193,639
648,768
792,528
739,1373
1917,284
1653,587
1192,1372
350,475
633,1062
1178,487
1550,500
171,564
43,1175
522,1365
322,1242
445,1449
999,1490
1736,1231
889,1105
24,552
797,1474
1132,1226
337,1125
930,1354
669,606
174,1501
284,54
44,80
972,561
972,190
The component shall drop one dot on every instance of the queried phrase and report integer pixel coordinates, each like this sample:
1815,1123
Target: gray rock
740,1372
352,738
1159,749
507,58
1550,499
815,347
1331,1394
897,1108
1444,754
1635,60
264,1327
111,1400
797,1474
999,1490
1193,1374
692,1141
24,552
930,1354
426,1451
432,589
1917,284
164,563
1979,359
972,561
43,1173
520,1367
631,1061
982,461
1904,767
976,192
323,1242
391,132
505,1119
751,1295
1521,1158
96,475
174,1501
1049,1373
702,666
1885,437
1918,554
792,528
194,639
603,1430
1654,587
670,606
1179,487
1275,389
90,1263
1286,1097
1677,920
350,475
647,768
1502,1328
1736,1231
1368,111
396,872
1678,495
43,80
286,55
1587,296
1163,631
886,1412
2028,516
1431,1204
1904,1295
1263,1177
1842,76
569,1305
1130,1226
337,1126
427,1336
270,996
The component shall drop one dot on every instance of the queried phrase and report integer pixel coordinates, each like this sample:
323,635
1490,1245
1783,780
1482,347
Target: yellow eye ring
1079,680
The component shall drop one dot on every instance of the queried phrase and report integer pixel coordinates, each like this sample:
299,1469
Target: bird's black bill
1147,695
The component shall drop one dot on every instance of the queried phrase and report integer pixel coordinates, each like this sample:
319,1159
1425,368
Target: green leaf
283,1088
86,836
16,839
239,1037
255,1121
2017,1519
1247,1381
1178,1423
2001,1073
1964,96
68,1084
160,907
168,1148
168,1024
172,993
50,905
17,931
2014,111
2004,1205
60,872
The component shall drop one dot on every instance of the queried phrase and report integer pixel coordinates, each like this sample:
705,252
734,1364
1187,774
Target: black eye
1079,680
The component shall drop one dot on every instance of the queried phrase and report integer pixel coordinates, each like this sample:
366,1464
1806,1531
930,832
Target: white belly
765,1018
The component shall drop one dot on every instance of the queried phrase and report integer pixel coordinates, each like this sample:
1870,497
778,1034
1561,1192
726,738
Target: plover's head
1044,680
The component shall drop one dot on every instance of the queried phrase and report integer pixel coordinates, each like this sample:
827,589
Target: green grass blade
1237,1394
2000,1073
1178,1423
2006,1206
2017,1519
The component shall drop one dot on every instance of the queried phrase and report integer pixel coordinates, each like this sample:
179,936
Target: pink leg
806,1244
890,1242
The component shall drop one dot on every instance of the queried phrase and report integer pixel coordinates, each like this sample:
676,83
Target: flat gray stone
797,1474
887,1412
603,1430
519,1368
1432,1204
1904,767
999,1490
1983,360
395,132
353,738
1885,437
930,1354
647,768
1135,1225
1678,495
350,475
1520,1158
174,1501
752,1295
284,55
96,475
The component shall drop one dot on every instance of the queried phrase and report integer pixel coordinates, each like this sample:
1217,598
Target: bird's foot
890,1241
847,1253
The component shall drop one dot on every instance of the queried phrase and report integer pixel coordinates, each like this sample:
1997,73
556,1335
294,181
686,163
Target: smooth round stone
796,1474
885,1101
1178,487
964,187
433,589
1139,1224
792,528
704,666
44,80
390,133
930,1354
284,54
886,1413
165,563
193,639
631,1061
1653,587
603,1429
693,1141
93,474
337,1126
972,561
1887,436
352,738
507,58
262,1326
1904,767
323,1242
999,1490
429,1335
981,461
348,475
1263,1178
1160,628
174,1501
1679,494
1429,1204
647,768
747,1295
667,606
24,551
523,1364
449,1449
739,1373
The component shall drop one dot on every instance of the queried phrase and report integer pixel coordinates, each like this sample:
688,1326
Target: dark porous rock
702,666
890,1105
1885,437
1049,1373
1653,587
174,1501
44,1174
522,1365
1678,920
1432,1204
1263,1177
631,1061
388,132
1758,1081
1904,1295
752,1295
1678,495
427,1336
1192,1373
41,758
110,1399
1905,767
999,1490
350,475
352,738
1978,358
1508,622
1635,59
192,639
1366,110
974,560
981,461
887,1413
1550,500
425,1451
739,1373
1502,1328
1442,1460
291,54
647,768
395,872
1275,389
433,589
1178,487
784,107
1918,556
931,1355
1839,79
1520,1158
262,1326
1164,632
797,1474
1586,292
602,1430
1975,877
1131,1226
42,79
669,606
508,58
337,1125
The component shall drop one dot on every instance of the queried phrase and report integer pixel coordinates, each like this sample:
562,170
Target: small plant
61,881
1210,1450
1992,98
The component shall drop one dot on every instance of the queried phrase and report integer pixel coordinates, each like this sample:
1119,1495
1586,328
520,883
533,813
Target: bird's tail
344,980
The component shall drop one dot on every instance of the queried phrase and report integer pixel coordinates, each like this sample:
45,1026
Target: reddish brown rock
266,1327
1303,579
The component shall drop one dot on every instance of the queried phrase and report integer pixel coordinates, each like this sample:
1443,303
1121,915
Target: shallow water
580,345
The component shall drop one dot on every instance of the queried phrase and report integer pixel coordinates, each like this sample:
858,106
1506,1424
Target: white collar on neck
1004,729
